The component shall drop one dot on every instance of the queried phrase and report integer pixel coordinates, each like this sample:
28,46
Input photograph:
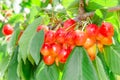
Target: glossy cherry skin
63,55
7,29
89,42
92,30
69,38
69,24
100,46
55,48
49,60
92,51
104,40
50,36
80,37
60,35
45,50
106,29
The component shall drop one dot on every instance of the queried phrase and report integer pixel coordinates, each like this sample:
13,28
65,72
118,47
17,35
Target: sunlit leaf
12,68
45,72
79,66
112,57
35,45
26,38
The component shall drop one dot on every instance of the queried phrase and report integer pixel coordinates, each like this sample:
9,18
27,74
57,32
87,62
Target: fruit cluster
59,44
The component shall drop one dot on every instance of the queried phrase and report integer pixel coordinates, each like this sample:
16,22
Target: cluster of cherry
58,44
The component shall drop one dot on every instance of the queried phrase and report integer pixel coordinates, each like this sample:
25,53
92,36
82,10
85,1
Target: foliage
20,59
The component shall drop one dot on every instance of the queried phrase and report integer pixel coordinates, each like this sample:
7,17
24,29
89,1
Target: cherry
49,60
7,29
40,27
106,41
69,38
89,42
80,37
92,30
63,55
45,50
100,46
60,35
92,51
55,49
69,24
106,29
50,36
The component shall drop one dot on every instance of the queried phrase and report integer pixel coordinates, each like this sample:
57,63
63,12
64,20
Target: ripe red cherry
45,50
49,60
69,38
50,36
60,35
80,37
7,29
55,49
63,55
40,27
92,30
106,29
69,24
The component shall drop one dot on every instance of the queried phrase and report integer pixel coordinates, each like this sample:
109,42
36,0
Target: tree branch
84,16
81,7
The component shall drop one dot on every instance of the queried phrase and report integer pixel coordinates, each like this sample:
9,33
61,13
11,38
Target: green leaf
25,70
108,72
12,42
35,45
45,72
79,66
71,6
100,69
4,65
26,38
16,18
12,68
99,16
99,4
112,57
33,13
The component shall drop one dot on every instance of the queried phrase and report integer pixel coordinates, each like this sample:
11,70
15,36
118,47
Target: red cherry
80,37
92,30
69,38
45,50
63,55
40,27
48,60
55,49
106,29
7,29
60,35
50,36
69,24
